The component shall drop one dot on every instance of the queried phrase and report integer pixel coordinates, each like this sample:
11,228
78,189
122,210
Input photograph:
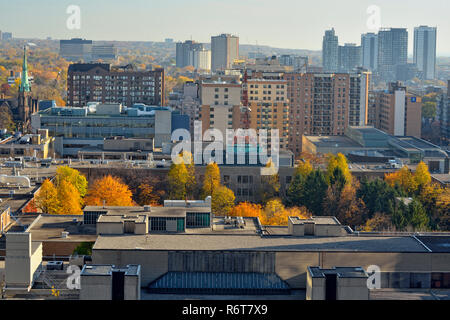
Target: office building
183,52
76,129
330,52
105,52
349,57
325,104
224,51
369,48
399,112
76,49
392,51
425,51
99,82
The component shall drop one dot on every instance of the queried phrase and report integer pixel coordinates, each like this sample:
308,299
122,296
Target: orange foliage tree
110,190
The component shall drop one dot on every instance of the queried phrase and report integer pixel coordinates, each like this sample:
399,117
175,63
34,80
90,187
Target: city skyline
140,22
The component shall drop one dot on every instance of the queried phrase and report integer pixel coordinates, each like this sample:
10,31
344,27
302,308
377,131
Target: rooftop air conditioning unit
64,234
147,208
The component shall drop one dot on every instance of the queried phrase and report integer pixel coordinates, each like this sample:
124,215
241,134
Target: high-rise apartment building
425,51
200,59
369,48
330,51
184,50
349,57
220,105
99,82
224,51
269,107
298,63
399,113
325,104
392,51
443,115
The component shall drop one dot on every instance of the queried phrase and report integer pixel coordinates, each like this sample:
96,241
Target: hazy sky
295,24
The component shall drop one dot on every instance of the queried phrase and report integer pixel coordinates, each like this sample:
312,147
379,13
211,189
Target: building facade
224,51
183,51
399,113
425,51
392,51
325,104
330,51
369,48
349,57
98,82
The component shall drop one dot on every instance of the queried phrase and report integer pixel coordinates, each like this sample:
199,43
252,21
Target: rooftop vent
147,208
64,234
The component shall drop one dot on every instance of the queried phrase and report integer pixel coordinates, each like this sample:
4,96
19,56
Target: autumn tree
222,201
46,198
146,195
379,222
177,179
404,179
69,200
338,161
422,176
270,184
110,191
6,118
74,177
211,180
246,209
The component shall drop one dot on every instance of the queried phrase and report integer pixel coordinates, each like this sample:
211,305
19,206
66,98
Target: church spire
25,84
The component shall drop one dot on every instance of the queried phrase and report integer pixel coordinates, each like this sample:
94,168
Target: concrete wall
315,288
22,259
327,230
110,227
96,287
132,287
292,267
352,289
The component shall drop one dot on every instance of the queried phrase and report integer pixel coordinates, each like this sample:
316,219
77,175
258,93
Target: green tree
418,217
314,192
429,110
338,161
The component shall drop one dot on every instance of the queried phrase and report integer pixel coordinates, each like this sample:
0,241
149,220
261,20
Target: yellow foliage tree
422,175
304,169
111,190
339,161
246,209
74,177
46,199
404,178
222,201
68,199
211,181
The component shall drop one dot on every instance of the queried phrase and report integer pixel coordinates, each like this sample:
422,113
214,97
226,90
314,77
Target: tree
418,217
110,190
74,177
211,181
304,169
338,161
178,178
295,190
222,201
68,199
344,205
428,110
404,179
146,195
313,192
422,175
6,118
270,185
378,196
246,209
46,198
379,222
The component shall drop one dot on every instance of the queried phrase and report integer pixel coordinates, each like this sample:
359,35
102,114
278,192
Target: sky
293,24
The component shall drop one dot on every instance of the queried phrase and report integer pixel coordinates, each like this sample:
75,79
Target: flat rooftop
316,220
154,211
50,227
107,269
342,272
436,243
165,242
333,142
